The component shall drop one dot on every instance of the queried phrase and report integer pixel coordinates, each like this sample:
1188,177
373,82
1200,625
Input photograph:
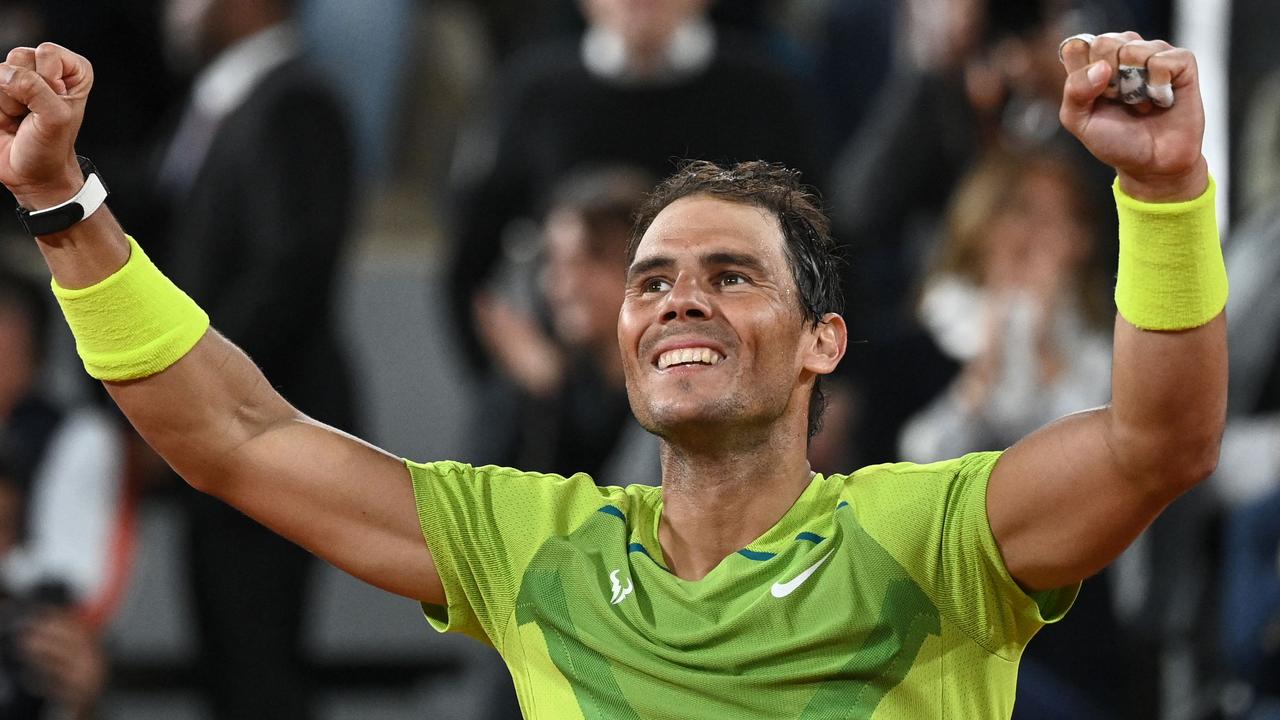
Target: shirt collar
692,47
225,83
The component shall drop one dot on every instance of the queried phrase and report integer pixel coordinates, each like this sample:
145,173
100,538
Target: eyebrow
644,267
720,257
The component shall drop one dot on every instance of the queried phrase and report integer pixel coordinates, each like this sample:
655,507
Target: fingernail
1098,72
8,75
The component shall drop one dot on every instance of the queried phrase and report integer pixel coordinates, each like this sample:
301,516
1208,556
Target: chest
829,620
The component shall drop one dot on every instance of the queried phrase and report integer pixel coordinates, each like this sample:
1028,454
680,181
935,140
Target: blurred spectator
648,82
64,527
1016,298
854,50
1251,603
971,77
338,30
1246,484
1249,466
259,181
1259,168
573,412
1252,94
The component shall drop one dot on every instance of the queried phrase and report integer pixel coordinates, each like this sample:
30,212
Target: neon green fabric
132,324
1171,274
878,595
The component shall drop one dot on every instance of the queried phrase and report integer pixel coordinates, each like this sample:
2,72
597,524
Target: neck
646,60
720,496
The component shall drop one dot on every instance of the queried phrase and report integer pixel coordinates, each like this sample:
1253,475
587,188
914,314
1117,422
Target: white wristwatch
64,215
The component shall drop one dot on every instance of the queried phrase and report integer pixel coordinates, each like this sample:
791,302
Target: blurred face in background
582,278
1037,238
196,31
645,25
187,45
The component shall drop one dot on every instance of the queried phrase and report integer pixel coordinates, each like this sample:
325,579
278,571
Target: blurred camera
20,696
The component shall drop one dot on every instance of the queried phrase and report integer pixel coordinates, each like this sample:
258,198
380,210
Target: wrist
1170,274
1183,186
51,193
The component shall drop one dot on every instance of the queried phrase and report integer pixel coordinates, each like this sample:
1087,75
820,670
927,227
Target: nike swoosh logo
781,590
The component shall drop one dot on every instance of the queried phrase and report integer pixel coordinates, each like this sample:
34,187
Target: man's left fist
1119,100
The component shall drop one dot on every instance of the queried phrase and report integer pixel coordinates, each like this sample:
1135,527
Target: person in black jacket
260,175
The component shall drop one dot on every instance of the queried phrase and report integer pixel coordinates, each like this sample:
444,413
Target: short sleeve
933,519
483,526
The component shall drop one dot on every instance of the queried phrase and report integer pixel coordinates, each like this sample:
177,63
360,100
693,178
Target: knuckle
18,55
24,80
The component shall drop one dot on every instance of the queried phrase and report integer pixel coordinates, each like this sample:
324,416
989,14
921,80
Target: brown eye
655,285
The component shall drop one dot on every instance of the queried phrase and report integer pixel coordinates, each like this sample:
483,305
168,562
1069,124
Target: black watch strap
64,216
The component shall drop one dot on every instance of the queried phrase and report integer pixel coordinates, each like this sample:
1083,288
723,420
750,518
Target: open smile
688,356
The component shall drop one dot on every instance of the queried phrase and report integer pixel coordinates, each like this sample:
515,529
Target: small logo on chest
783,589
619,593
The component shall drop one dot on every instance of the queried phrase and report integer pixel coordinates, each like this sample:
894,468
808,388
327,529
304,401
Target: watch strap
65,215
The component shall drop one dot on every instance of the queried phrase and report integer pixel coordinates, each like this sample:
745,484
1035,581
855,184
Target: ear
827,345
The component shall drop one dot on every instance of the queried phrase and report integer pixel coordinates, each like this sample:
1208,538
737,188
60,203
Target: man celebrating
746,586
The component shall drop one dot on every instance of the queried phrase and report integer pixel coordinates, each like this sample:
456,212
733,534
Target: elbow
1189,464
1196,463
1171,464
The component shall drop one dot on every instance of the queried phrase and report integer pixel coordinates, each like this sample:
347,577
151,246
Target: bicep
342,499
1069,498
1060,505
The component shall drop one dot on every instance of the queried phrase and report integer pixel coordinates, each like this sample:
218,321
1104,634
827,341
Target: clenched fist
1155,150
42,99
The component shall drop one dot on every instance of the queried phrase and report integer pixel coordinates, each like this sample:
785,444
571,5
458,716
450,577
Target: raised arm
211,414
1066,500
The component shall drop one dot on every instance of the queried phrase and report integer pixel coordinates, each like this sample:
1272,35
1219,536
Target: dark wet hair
811,252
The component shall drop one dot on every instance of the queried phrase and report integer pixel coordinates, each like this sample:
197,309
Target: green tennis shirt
879,594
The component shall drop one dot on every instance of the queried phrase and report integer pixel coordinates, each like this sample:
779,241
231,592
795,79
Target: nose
688,300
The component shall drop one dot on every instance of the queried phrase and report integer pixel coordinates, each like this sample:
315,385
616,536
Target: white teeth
682,356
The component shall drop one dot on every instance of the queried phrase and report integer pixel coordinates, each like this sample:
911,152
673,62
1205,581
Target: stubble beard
721,422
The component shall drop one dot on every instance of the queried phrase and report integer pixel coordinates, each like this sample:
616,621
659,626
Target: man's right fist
42,98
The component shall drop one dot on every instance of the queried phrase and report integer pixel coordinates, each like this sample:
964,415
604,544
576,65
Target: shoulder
972,465
494,486
892,496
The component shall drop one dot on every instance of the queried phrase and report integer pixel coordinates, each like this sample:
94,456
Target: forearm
198,413
195,411
1169,403
1169,371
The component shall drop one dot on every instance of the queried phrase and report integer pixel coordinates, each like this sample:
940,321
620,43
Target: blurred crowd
256,146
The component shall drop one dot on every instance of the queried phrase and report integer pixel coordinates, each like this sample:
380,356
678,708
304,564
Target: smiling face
711,330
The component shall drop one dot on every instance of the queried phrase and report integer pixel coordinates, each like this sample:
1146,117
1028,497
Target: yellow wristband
134,323
1171,275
